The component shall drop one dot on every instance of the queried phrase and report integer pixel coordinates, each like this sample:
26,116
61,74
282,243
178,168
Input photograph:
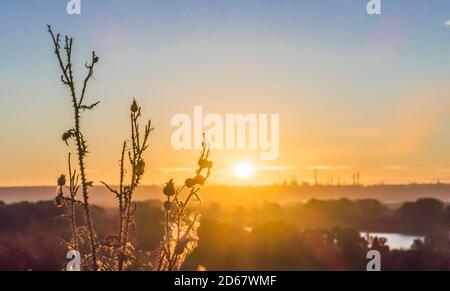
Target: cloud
396,168
447,22
411,125
415,168
329,168
276,168
178,170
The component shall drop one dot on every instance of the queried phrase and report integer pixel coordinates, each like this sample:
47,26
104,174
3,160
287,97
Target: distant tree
423,216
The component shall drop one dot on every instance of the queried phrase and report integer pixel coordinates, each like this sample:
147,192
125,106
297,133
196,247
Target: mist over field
317,235
274,230
229,194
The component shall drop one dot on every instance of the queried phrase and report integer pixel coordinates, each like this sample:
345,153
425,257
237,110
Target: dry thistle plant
116,252
122,249
69,203
75,133
181,223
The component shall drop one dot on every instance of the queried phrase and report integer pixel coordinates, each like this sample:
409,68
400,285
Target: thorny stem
135,157
122,176
128,194
125,192
67,79
173,259
173,249
72,188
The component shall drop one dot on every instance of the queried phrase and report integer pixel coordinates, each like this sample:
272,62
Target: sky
355,93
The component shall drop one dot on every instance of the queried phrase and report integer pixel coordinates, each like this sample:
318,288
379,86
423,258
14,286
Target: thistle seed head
167,206
62,180
169,190
189,183
140,169
199,180
205,164
134,106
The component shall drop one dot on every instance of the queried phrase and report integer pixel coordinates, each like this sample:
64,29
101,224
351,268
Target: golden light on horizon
244,170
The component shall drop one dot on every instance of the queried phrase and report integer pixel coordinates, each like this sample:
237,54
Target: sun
244,170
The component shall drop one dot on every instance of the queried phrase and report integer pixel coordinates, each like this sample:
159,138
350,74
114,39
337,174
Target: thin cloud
412,168
176,170
447,23
329,168
276,168
395,168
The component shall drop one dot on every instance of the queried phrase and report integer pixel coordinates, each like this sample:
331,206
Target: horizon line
261,185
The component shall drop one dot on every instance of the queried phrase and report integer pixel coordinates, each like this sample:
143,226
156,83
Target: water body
395,240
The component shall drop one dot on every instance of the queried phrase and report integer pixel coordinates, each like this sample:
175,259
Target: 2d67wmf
247,280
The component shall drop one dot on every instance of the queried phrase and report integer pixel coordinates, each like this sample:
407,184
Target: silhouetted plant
116,252
69,202
134,150
181,223
75,133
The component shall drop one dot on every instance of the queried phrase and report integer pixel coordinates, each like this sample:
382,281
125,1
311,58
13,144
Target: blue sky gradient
367,92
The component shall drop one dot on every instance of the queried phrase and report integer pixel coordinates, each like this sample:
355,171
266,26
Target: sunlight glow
244,170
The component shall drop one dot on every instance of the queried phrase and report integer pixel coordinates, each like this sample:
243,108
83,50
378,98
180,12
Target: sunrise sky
354,92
